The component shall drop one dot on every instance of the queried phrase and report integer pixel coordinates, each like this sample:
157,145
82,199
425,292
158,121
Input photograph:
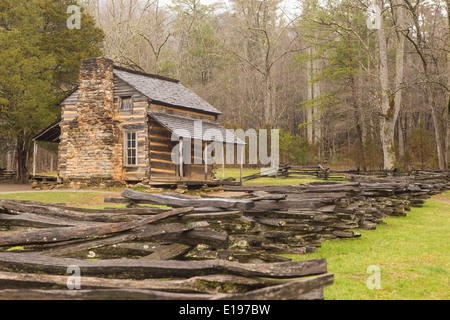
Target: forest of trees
342,90
351,83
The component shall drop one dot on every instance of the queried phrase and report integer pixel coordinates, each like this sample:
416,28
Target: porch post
34,158
8,162
205,156
223,162
242,163
181,159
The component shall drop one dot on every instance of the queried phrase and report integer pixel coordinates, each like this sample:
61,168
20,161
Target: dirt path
445,198
13,188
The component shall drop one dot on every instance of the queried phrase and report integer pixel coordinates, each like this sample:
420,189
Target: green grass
80,199
93,200
87,200
235,173
412,253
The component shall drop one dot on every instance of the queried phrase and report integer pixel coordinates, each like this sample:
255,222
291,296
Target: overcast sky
288,4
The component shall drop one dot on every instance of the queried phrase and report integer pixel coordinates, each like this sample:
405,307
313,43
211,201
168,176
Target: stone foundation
92,183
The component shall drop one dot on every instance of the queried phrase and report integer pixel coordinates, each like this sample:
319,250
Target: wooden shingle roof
165,90
195,129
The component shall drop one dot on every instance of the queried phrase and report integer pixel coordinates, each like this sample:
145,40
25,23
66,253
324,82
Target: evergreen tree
40,57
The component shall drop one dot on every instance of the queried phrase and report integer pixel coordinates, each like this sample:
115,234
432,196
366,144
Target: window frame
120,104
127,148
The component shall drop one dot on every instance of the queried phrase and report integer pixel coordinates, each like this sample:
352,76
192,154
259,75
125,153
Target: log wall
93,127
162,166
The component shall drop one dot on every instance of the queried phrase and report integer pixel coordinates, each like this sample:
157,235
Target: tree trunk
390,101
317,119
356,110
268,119
22,156
310,97
387,141
447,138
437,129
401,138
399,71
309,127
419,45
386,132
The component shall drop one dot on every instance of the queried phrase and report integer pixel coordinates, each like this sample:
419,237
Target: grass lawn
235,173
92,200
413,254
80,199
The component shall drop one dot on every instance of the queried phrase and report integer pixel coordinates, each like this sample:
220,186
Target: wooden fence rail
205,247
320,172
6,175
133,249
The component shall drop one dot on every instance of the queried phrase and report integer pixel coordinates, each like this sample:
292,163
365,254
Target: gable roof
164,90
195,129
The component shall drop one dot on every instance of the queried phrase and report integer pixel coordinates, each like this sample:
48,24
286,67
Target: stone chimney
92,137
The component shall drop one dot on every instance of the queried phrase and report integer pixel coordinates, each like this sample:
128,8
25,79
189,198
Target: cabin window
126,103
131,149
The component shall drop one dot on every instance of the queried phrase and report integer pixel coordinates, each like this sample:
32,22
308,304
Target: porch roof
50,134
196,129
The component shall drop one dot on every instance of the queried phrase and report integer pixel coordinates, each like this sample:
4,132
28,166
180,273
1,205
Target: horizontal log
139,268
162,166
13,206
169,252
292,290
201,284
201,202
213,239
36,221
49,235
322,195
285,223
160,147
272,189
144,232
343,187
261,196
213,216
289,291
98,294
267,205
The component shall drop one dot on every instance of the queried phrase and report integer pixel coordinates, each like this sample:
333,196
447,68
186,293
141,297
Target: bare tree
423,47
265,33
390,94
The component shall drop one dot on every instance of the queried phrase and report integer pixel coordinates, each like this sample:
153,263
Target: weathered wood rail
133,249
290,171
320,172
6,175
265,221
204,247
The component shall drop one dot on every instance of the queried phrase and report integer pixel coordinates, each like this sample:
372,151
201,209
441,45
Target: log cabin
123,125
